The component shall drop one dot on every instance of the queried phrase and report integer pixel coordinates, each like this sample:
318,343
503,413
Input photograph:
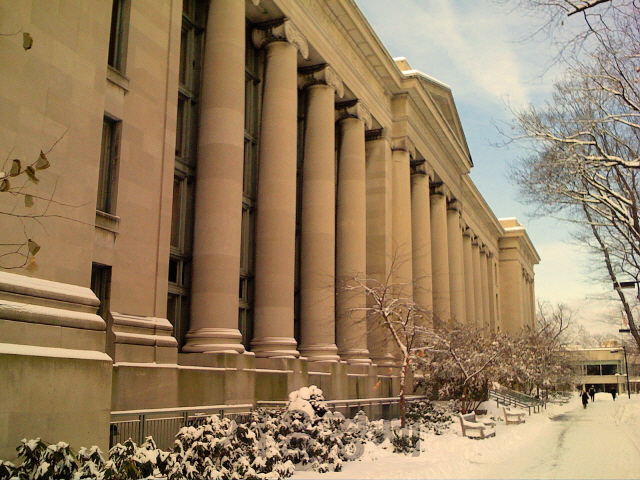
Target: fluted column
351,236
403,150
218,216
469,289
456,271
485,288
276,216
477,282
318,225
440,255
421,236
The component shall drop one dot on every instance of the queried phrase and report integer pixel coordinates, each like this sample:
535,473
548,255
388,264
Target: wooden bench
473,427
513,417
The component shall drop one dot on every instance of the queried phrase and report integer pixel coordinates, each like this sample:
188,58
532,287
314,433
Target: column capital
440,188
421,167
320,75
404,144
454,204
280,31
376,134
354,109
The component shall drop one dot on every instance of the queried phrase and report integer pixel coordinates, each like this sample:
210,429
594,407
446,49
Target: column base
275,347
356,356
214,340
320,353
386,360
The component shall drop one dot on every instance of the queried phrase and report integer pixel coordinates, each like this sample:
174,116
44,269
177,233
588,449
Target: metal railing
163,424
518,399
389,407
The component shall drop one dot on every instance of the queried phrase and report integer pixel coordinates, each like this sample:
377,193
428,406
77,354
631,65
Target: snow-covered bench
473,427
513,416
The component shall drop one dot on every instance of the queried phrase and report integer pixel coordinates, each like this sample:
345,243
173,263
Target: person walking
614,392
592,393
585,399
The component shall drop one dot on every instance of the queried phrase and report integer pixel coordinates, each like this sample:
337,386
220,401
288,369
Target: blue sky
480,49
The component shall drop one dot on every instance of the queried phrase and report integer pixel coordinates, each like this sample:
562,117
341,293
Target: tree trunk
403,400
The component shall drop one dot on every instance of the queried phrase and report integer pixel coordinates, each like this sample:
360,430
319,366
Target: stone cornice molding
404,144
440,188
321,75
280,31
354,110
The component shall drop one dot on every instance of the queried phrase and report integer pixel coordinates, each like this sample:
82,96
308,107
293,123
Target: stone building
216,165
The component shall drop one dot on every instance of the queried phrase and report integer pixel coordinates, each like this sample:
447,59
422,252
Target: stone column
421,236
318,224
218,216
440,254
477,283
276,216
379,168
485,288
492,291
351,235
403,150
469,289
456,271
532,300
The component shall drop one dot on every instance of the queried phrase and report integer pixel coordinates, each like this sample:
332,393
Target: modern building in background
219,169
607,367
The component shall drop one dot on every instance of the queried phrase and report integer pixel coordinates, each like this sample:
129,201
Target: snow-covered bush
309,400
430,416
39,461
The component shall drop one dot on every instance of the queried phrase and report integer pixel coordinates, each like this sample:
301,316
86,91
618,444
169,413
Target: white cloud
464,44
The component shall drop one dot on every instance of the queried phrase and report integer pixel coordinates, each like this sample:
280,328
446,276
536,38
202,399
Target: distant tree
540,359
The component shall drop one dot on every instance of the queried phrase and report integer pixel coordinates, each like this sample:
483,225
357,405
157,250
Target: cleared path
601,441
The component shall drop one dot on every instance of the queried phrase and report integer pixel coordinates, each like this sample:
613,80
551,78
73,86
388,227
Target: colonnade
440,262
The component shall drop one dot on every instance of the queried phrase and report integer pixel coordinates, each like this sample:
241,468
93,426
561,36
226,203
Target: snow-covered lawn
563,441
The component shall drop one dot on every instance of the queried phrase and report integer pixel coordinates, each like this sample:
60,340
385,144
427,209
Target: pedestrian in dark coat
614,392
592,393
585,399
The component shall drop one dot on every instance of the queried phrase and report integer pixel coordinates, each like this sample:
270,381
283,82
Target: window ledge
117,78
107,221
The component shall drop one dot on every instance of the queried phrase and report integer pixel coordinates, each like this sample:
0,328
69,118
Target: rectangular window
101,286
180,259
109,155
247,242
118,34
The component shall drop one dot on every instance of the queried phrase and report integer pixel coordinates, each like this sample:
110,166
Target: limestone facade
218,169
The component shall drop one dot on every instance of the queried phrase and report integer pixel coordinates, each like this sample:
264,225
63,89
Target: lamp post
626,365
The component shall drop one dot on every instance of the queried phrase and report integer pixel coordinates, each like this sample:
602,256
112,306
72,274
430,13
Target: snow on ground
563,441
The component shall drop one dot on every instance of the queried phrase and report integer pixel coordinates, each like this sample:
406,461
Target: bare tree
391,306
585,147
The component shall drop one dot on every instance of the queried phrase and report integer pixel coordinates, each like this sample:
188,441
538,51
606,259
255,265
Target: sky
484,53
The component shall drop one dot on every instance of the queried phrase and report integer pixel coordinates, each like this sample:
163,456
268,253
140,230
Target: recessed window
109,156
182,211
118,34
